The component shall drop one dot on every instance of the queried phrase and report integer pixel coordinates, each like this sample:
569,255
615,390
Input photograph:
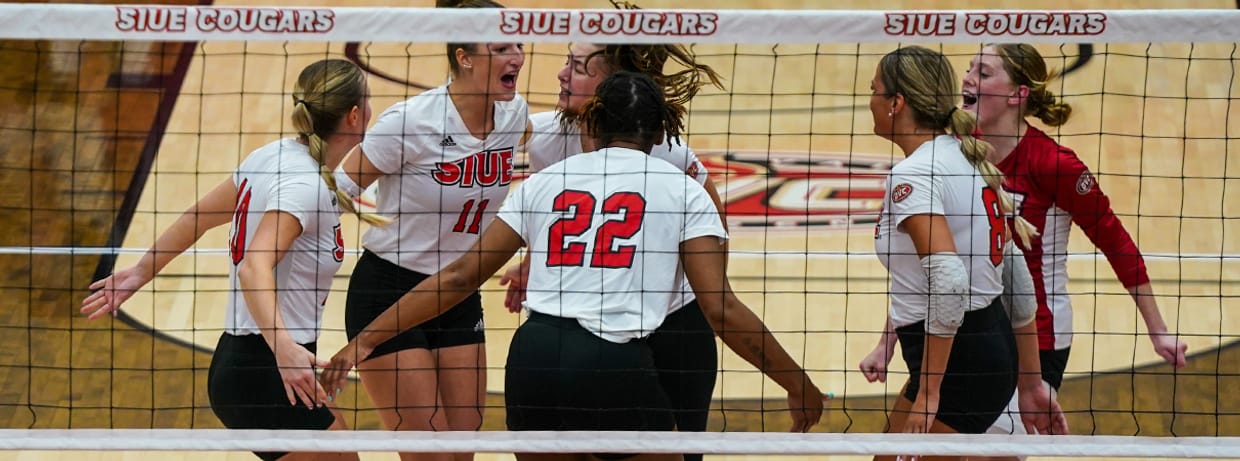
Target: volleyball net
119,117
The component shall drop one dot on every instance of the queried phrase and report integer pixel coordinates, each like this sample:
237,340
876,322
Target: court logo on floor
794,190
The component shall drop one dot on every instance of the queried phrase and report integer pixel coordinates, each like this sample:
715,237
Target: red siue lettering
920,24
151,19
506,159
447,173
534,22
488,168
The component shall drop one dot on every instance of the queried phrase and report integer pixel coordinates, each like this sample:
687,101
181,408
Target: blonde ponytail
325,92
963,124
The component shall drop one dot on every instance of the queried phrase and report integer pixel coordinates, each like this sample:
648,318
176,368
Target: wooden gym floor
103,139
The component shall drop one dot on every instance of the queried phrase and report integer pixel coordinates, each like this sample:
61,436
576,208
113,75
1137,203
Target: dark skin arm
436,294
742,331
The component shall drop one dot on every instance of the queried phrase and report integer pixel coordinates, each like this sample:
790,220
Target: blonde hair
1025,66
324,94
926,80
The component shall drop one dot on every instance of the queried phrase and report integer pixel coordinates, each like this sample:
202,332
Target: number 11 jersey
441,184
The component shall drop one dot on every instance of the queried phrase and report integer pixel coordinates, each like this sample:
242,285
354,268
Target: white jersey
442,185
281,176
550,142
605,250
937,179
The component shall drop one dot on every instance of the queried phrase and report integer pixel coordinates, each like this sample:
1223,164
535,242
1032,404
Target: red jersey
1053,188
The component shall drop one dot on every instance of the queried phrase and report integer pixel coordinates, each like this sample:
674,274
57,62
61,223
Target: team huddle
624,270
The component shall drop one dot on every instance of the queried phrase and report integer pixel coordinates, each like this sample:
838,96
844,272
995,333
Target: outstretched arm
428,299
212,210
1078,193
744,332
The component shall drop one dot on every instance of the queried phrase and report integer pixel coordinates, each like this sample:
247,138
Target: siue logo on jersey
487,168
1085,183
771,190
901,192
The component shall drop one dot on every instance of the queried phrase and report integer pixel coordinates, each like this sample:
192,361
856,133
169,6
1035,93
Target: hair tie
950,113
297,100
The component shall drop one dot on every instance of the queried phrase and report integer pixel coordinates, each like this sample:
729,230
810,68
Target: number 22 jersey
604,230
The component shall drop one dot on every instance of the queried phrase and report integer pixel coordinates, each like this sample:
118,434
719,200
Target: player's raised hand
113,290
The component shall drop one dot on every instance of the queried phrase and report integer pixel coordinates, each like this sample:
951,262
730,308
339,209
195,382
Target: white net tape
620,442
332,24
103,22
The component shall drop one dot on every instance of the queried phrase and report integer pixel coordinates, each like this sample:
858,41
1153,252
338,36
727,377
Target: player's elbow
456,278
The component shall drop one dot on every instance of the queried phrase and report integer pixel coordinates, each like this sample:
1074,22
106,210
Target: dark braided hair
630,106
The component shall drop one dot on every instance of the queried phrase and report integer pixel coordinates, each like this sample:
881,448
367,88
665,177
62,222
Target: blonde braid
334,86
962,124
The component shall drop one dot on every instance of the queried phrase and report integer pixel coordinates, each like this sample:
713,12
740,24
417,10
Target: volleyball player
442,161
1005,84
607,231
941,235
285,246
684,346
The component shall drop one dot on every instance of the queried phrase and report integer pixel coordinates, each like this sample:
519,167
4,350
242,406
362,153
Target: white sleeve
913,190
296,195
512,211
1018,292
548,142
384,143
701,216
677,153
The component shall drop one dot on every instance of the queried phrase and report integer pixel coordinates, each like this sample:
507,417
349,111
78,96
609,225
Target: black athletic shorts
246,391
981,371
376,284
562,377
687,358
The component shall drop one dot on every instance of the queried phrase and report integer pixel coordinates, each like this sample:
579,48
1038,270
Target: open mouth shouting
970,101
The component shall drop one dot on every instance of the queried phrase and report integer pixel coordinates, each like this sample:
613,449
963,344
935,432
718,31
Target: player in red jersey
1054,188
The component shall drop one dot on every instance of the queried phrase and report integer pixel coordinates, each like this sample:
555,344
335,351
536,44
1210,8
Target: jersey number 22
605,254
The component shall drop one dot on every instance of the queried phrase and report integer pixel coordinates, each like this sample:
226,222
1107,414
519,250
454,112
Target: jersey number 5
998,227
581,206
236,241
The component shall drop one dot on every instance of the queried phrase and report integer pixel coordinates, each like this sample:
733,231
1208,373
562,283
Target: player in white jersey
684,347
442,161
284,247
942,235
607,231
